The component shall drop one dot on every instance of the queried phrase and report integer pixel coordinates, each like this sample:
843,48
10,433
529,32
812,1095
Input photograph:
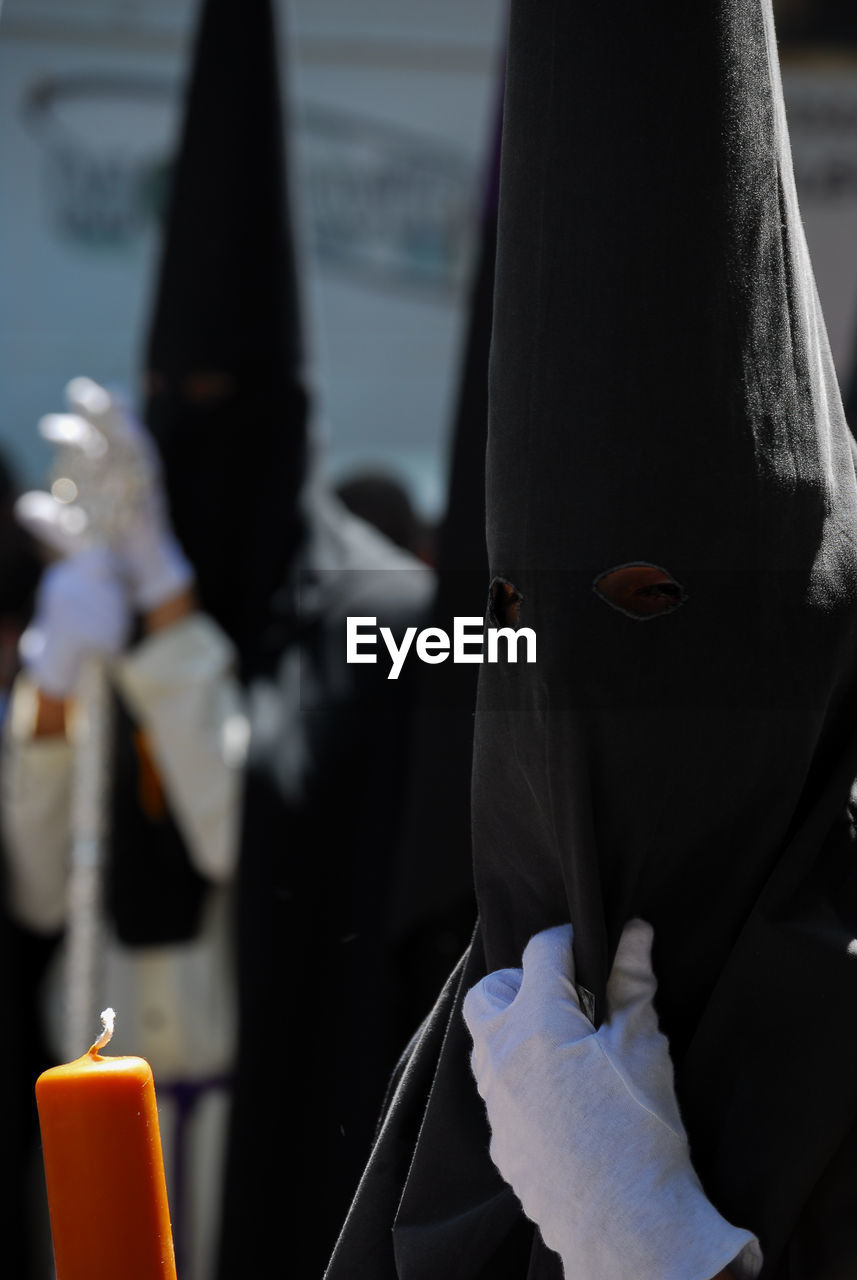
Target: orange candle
104,1168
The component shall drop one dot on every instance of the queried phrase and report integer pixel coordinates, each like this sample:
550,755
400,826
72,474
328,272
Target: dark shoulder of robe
321,813
662,394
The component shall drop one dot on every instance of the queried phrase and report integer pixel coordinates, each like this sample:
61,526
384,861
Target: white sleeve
35,776
179,684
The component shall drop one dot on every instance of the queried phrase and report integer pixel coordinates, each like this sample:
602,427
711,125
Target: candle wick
108,1018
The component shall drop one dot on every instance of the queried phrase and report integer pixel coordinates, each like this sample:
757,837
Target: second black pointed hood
226,398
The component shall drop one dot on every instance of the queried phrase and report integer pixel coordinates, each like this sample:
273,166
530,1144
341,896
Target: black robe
684,748
322,808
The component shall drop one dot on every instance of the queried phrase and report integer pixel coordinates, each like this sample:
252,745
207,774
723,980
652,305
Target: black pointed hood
672,508
662,393
226,400
671,491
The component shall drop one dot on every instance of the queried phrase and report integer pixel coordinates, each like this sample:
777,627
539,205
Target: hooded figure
227,407
672,508
226,400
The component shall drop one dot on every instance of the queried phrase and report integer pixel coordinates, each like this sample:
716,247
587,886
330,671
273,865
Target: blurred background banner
390,107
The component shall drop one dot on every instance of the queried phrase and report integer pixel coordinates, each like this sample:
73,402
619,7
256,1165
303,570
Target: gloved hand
110,490
81,611
584,1124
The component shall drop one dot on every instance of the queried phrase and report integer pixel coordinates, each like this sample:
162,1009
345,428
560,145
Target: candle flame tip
108,1020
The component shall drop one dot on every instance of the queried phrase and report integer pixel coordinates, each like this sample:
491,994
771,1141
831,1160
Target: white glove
585,1126
81,611
115,495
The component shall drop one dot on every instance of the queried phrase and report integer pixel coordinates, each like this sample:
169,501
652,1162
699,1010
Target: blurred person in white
302,734
176,1002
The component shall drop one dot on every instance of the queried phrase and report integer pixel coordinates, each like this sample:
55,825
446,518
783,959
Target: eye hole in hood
640,590
504,603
